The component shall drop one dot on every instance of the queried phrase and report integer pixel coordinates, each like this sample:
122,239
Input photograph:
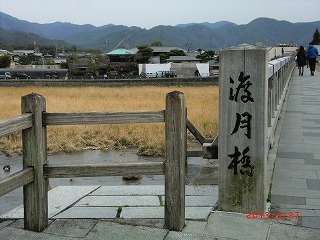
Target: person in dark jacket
301,60
312,53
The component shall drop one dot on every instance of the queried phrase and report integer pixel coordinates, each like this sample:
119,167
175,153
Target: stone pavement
296,179
121,202
136,212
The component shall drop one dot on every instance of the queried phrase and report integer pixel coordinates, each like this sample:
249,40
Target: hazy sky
150,13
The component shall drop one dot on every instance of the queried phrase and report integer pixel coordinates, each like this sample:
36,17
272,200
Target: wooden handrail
98,170
13,124
103,118
16,180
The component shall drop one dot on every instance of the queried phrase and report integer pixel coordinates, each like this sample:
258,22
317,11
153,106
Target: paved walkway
121,202
136,212
296,179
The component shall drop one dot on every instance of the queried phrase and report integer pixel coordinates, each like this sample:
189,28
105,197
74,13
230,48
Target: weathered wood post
175,137
243,129
35,155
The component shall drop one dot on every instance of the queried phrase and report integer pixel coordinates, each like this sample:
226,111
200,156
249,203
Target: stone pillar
243,129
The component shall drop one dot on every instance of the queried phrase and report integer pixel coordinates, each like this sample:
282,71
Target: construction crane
121,42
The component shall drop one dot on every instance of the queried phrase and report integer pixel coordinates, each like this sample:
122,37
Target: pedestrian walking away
312,54
301,60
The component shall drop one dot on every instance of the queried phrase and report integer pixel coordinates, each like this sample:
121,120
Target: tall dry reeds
202,104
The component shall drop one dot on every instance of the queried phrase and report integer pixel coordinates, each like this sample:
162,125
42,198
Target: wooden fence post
35,155
243,123
175,137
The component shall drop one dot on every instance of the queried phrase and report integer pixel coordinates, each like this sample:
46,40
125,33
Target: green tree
72,48
144,53
72,62
316,37
5,61
156,43
94,62
48,50
206,56
92,67
176,52
163,57
64,65
26,59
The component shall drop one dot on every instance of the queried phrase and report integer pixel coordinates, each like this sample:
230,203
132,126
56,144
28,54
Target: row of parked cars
22,75
7,75
160,74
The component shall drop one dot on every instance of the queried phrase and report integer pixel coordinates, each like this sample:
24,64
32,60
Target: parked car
22,76
169,74
151,75
5,75
52,75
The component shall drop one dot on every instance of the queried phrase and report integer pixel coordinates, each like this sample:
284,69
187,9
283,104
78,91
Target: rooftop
183,59
120,51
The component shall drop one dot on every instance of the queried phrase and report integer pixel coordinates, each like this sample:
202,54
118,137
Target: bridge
296,177
285,170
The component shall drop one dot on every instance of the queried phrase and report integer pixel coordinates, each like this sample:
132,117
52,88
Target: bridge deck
296,178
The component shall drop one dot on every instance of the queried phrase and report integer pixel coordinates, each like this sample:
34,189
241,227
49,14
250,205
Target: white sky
150,13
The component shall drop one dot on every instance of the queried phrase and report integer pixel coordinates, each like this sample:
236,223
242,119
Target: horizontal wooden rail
103,118
14,124
99,170
16,180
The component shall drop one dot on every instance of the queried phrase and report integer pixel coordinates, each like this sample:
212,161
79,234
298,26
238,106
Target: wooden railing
37,171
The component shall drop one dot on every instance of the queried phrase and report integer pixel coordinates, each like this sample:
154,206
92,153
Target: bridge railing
37,171
279,75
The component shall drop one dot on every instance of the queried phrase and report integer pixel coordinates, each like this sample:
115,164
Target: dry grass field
202,104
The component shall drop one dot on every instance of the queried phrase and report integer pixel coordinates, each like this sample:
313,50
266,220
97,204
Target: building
183,59
122,62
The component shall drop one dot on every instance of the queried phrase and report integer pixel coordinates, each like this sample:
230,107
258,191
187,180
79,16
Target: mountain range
208,36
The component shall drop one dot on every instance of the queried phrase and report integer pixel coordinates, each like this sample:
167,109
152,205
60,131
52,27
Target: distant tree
22,46
157,43
73,59
163,57
94,51
27,59
92,67
176,52
72,62
64,65
5,61
94,62
144,53
72,48
48,50
206,56
316,37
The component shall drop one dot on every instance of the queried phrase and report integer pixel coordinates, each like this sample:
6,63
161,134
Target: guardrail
36,169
